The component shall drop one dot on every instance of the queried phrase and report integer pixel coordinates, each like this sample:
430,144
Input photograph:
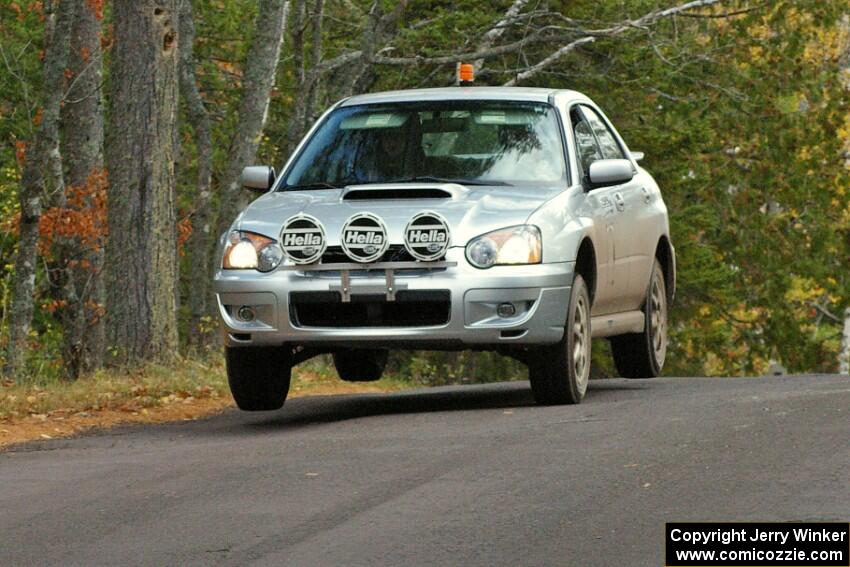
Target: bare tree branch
825,312
725,14
494,33
537,36
549,33
24,88
561,52
640,23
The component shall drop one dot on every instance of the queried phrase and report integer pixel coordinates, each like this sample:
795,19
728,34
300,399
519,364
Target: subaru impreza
515,220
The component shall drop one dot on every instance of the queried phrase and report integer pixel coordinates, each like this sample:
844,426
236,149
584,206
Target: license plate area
410,308
390,269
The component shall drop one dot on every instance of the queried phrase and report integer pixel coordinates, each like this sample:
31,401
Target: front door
629,202
607,205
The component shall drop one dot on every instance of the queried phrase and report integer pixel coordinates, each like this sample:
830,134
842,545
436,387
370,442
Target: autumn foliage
96,6
81,219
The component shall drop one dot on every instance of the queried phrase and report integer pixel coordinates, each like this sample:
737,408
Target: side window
607,142
588,149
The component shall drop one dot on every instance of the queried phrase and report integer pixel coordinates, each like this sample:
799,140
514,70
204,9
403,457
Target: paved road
452,476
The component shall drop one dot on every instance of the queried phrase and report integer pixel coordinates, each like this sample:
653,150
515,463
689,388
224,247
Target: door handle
621,203
646,196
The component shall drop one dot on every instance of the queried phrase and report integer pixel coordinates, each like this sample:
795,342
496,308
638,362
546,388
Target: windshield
477,143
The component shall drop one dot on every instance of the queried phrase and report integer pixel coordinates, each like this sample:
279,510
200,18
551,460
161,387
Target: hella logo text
354,236
364,237
308,239
426,236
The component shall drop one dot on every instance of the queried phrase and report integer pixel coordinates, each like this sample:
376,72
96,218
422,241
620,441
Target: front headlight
514,245
250,251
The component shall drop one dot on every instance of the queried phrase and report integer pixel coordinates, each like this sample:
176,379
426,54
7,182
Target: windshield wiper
458,180
310,186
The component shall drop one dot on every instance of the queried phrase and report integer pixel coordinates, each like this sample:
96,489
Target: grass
147,387
155,393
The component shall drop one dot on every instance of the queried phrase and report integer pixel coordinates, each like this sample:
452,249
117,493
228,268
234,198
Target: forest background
124,126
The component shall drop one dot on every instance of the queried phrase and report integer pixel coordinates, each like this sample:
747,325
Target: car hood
470,211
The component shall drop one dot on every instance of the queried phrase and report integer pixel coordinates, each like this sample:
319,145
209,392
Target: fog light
506,310
246,314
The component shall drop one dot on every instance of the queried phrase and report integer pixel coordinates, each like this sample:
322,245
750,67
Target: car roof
524,94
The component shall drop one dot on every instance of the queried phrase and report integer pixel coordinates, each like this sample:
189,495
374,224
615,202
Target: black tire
360,365
641,355
559,373
258,376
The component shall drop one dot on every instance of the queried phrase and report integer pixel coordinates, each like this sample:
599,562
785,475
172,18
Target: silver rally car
505,219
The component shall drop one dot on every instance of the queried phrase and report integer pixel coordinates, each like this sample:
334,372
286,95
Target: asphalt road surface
462,476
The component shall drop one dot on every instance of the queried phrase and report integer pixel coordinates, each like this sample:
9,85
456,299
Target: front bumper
540,294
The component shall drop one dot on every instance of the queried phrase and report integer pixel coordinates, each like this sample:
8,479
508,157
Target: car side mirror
258,178
607,172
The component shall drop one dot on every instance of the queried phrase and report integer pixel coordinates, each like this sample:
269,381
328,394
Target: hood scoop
402,192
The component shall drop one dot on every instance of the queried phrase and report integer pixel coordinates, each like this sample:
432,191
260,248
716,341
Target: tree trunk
298,14
315,59
141,261
844,74
82,147
362,73
257,82
199,242
844,357
44,151
303,111
359,76
297,112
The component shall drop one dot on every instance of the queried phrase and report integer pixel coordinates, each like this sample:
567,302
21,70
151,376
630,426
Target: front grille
395,253
428,308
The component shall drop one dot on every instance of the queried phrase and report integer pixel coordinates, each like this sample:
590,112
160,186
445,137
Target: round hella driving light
483,253
303,239
427,236
364,238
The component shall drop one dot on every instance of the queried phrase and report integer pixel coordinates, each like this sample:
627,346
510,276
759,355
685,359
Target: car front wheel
258,376
559,373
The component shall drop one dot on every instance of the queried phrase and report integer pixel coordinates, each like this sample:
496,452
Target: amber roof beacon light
465,74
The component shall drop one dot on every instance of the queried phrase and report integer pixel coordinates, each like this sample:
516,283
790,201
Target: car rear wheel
559,373
258,376
360,365
641,355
